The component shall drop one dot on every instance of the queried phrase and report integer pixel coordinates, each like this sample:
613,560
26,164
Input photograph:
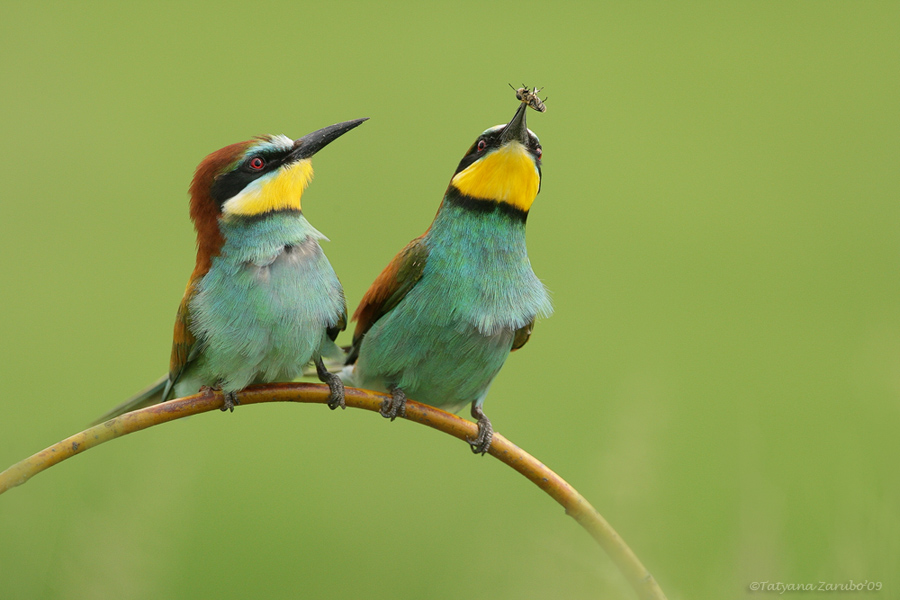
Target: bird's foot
231,400
334,384
482,442
395,406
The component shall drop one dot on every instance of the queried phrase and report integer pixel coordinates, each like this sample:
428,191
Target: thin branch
501,448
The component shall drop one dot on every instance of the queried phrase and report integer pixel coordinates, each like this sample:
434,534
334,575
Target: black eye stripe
228,185
492,140
270,159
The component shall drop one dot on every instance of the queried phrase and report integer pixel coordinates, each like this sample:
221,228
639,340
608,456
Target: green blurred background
719,225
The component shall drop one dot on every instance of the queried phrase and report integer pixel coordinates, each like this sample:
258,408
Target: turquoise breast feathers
261,312
476,290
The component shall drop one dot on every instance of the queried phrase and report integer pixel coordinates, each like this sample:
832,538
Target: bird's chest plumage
448,338
477,276
261,312
478,273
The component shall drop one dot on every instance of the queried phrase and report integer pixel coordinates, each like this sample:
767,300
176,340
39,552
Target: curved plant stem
501,448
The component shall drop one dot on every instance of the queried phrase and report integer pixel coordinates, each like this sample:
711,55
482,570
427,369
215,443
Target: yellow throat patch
505,175
279,190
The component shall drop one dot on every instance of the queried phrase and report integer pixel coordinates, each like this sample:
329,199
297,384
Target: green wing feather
184,345
388,289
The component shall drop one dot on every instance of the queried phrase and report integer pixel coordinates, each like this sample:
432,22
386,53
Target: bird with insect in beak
263,301
438,323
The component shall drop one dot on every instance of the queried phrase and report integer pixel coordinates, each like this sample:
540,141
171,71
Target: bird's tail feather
151,395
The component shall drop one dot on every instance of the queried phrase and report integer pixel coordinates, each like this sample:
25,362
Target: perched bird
263,300
439,321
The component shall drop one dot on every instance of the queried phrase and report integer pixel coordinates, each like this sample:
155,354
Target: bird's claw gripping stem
231,400
335,384
482,442
395,406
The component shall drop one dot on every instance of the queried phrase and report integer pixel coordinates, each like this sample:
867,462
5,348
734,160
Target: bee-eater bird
263,300
439,321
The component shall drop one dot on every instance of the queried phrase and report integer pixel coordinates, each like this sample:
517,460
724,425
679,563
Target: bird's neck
507,175
247,238
457,199
480,228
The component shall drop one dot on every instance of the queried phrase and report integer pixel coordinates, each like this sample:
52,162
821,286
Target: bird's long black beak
311,143
516,129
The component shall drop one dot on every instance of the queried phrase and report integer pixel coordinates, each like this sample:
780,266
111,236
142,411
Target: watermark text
780,587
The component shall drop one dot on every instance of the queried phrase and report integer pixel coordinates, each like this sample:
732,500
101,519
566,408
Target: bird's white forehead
497,128
272,143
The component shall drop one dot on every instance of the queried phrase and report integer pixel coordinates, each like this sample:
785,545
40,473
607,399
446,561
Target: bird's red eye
481,145
256,163
539,151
